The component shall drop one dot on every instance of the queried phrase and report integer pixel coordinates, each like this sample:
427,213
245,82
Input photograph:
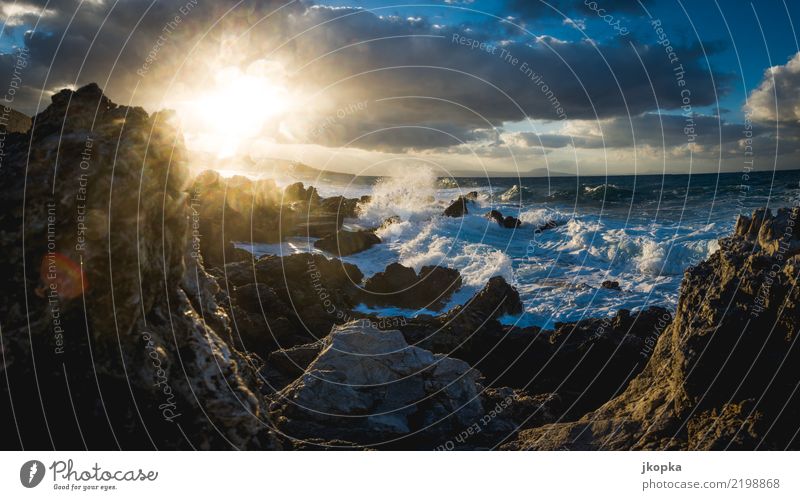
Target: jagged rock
344,207
317,292
369,386
285,365
129,318
298,192
610,285
12,121
343,243
506,222
458,208
586,362
401,286
723,375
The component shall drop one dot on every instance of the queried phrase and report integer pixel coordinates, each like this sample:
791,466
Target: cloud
426,89
777,98
445,78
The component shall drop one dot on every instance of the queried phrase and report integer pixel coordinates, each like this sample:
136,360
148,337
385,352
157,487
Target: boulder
610,285
401,286
458,208
506,222
343,243
316,291
368,386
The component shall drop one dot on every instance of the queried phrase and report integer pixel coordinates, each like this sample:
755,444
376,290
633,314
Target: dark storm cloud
543,78
351,55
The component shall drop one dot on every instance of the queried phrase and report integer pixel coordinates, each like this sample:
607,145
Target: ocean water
642,231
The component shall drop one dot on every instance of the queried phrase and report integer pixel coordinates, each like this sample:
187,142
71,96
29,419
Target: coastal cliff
130,320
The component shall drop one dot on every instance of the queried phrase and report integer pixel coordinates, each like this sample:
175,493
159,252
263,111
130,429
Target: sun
236,107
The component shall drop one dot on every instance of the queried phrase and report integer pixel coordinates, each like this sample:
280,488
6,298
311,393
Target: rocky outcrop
458,208
295,299
368,386
344,243
108,313
586,362
610,285
723,375
507,222
225,210
401,286
12,121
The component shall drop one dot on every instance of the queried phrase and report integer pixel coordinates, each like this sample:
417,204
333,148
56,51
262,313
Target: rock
344,243
368,386
586,362
723,375
145,353
285,365
394,219
471,196
507,222
401,286
497,298
317,292
344,207
298,192
458,208
610,285
14,122
551,224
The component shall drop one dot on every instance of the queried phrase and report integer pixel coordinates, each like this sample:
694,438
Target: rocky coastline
130,320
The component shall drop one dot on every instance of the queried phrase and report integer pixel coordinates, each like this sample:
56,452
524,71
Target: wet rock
401,286
610,285
368,386
723,375
458,208
344,243
319,292
506,222
344,207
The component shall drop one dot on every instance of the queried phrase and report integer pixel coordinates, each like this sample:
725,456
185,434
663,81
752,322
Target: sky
512,87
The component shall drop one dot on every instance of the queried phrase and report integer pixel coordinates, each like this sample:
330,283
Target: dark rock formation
724,374
312,293
12,121
343,243
241,209
458,208
368,386
507,221
107,315
401,286
586,363
610,285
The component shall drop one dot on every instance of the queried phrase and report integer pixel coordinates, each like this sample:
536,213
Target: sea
641,231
